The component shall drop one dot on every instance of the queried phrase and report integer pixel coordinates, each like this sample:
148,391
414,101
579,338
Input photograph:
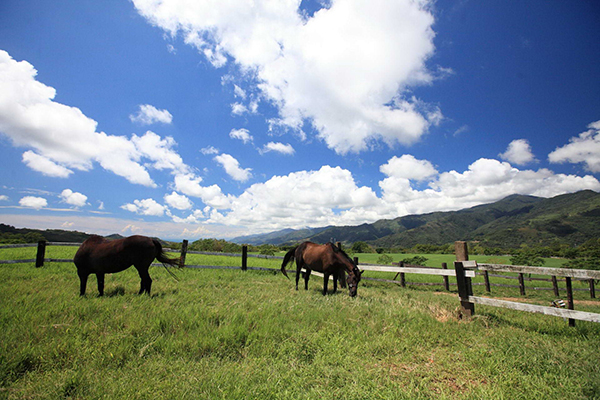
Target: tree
416,260
361,247
385,259
527,256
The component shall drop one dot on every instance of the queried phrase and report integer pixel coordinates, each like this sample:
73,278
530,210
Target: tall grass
228,334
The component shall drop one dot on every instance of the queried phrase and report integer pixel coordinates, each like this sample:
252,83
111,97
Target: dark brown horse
325,258
100,256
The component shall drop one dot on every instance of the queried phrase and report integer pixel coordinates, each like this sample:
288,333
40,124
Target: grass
228,334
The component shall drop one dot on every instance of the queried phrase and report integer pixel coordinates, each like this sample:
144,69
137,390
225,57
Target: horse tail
289,256
162,257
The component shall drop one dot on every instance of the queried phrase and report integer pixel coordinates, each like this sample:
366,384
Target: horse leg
306,278
146,282
298,269
335,280
325,282
83,277
100,279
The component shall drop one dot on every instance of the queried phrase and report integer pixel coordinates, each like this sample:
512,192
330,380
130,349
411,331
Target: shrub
385,259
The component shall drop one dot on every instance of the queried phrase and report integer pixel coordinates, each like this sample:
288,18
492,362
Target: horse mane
342,252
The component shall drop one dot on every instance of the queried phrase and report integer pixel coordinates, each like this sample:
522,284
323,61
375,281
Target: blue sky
189,119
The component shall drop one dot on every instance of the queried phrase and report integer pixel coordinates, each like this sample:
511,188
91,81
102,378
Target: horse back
316,257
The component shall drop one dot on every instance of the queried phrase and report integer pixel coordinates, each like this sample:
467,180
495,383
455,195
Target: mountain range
513,221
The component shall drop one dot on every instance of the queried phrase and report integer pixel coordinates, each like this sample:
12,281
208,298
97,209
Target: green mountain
510,222
8,232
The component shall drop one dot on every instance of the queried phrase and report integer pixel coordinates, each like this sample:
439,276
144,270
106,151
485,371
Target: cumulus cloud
300,199
331,195
347,69
33,202
148,115
232,167
277,147
62,139
518,152
178,201
159,151
212,196
145,207
3,197
408,167
44,165
241,134
75,199
584,148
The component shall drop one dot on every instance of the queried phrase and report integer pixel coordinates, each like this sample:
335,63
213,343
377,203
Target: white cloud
408,167
3,197
148,115
332,196
145,207
33,202
241,134
238,109
44,165
239,92
75,199
232,167
277,147
209,150
584,148
160,151
210,195
304,198
63,139
178,201
346,70
518,152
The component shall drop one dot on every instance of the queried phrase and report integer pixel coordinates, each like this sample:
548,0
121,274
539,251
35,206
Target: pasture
235,334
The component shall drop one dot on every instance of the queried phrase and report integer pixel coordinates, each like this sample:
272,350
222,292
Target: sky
188,119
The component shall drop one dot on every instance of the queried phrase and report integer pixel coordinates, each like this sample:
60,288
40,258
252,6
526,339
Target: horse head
352,280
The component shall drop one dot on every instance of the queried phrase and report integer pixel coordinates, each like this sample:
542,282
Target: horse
325,258
100,256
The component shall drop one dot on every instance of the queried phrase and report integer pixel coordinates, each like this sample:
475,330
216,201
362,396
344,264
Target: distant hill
52,235
510,222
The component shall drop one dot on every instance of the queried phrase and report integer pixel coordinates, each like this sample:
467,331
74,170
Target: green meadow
232,334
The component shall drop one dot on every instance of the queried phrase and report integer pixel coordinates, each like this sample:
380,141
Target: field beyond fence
223,333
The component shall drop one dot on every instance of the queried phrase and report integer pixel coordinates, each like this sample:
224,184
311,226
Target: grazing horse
325,258
99,256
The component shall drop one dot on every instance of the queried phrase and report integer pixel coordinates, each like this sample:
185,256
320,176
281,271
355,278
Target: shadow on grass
116,291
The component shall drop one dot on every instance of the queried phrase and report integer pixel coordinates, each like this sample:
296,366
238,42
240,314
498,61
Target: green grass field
229,334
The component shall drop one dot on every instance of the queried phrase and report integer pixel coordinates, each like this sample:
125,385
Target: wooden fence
464,271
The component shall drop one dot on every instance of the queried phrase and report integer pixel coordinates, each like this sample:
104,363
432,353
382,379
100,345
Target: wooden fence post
402,276
555,286
244,258
41,254
592,289
522,284
184,247
446,282
465,288
486,279
570,304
